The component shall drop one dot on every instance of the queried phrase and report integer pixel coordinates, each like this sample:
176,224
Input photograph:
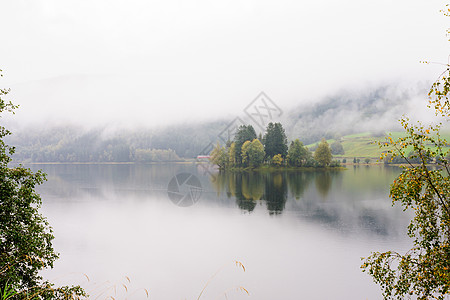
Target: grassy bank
365,145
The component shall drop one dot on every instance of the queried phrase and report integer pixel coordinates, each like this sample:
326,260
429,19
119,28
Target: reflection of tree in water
249,187
224,182
248,205
323,183
219,182
243,197
278,190
298,182
252,186
275,192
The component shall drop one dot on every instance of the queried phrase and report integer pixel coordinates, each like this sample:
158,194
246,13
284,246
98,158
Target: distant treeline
72,144
411,158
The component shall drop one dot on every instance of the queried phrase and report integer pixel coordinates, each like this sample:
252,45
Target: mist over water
294,232
115,81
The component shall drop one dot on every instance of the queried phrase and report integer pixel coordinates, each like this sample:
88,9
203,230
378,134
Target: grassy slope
363,145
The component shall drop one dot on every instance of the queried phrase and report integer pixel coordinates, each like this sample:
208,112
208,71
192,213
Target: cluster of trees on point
248,150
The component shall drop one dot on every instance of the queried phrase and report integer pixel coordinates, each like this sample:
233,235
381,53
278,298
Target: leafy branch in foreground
424,271
25,235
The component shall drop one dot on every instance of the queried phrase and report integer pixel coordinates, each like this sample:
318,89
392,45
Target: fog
164,62
176,73
370,109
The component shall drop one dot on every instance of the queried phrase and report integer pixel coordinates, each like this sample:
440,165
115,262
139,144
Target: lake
125,229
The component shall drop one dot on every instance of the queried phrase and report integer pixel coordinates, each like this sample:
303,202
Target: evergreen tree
275,141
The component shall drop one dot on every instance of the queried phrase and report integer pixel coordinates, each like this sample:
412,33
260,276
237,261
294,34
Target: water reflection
323,183
112,220
356,198
275,192
271,187
298,182
250,187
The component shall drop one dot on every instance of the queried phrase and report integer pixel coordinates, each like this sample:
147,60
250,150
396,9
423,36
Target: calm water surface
300,235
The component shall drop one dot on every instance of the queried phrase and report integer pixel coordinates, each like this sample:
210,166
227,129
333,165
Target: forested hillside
372,110
72,144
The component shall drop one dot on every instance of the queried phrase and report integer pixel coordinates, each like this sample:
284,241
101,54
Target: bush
25,235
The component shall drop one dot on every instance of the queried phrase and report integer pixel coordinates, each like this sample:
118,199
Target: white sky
153,62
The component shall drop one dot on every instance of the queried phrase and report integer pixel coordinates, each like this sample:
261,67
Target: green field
365,145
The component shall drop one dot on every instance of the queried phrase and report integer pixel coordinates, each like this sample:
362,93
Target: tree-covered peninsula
248,151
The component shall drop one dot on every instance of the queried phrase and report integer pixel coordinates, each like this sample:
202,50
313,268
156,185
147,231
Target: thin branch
430,182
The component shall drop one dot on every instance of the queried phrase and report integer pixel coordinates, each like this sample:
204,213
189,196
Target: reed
239,265
109,290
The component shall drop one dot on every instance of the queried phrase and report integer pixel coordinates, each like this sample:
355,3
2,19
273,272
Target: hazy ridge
374,110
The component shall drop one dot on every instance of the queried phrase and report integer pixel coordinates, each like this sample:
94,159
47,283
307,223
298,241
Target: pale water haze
300,235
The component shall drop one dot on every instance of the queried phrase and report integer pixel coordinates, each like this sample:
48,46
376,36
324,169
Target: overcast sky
153,62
